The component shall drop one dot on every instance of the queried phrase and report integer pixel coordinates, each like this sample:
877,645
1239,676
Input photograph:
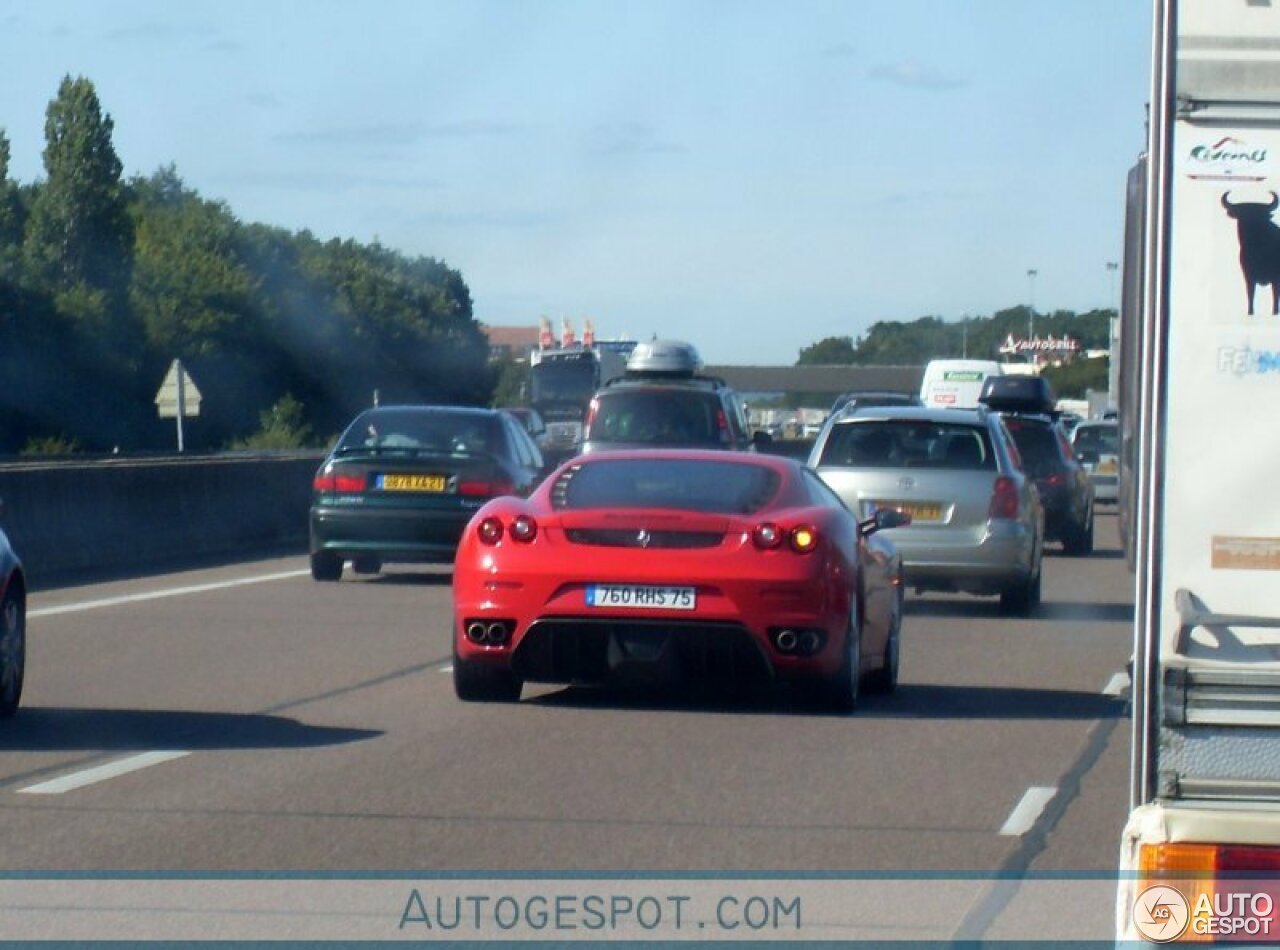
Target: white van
956,384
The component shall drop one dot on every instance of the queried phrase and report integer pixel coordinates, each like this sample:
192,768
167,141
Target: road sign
178,392
178,396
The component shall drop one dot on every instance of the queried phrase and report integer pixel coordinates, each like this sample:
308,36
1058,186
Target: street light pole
1113,326
1031,307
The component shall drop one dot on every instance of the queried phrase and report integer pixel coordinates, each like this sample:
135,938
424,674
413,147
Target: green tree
79,234
10,218
512,385
833,351
283,426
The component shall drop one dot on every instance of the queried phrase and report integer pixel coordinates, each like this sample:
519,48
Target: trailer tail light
1226,887
1203,858
1004,499
329,482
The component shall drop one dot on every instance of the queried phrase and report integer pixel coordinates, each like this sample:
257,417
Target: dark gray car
699,412
403,481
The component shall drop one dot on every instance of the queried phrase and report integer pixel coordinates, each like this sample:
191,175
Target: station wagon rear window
908,444
685,484
657,417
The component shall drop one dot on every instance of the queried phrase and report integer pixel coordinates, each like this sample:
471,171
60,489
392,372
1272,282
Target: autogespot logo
1161,913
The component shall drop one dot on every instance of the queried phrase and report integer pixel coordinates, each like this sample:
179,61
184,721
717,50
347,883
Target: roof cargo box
1018,394
664,358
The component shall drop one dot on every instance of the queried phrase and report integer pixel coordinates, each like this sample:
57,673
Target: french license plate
919,511
412,482
641,596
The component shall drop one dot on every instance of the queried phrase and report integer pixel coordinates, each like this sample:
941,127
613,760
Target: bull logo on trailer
1259,246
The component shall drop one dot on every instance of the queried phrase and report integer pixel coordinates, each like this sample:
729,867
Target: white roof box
664,357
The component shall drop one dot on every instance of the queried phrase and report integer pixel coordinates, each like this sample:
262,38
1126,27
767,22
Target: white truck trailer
1200,854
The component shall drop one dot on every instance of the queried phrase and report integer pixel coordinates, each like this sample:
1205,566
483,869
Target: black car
13,627
403,481
694,412
1065,490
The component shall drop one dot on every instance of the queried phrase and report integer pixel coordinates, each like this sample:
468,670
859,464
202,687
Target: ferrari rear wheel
842,688
13,651
483,683
885,679
326,566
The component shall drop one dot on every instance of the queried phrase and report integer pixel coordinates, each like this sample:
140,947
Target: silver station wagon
977,525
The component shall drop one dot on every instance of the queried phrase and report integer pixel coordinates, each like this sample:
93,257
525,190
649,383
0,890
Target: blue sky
751,176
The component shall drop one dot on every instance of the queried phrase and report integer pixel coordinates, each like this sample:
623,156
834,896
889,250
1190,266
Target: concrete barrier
67,517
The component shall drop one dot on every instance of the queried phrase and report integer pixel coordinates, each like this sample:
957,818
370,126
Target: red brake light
479,489
524,529
592,409
766,536
489,531
803,539
329,482
1056,480
722,425
1004,498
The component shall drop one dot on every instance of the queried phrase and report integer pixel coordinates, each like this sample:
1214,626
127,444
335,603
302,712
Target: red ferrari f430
677,565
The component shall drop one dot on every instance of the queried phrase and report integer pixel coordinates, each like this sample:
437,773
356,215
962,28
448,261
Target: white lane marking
447,668
1118,683
158,594
100,773
1025,813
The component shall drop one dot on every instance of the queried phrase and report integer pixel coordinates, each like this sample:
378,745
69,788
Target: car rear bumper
556,637
998,557
389,534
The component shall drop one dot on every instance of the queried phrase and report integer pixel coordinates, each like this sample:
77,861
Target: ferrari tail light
524,529
803,539
330,482
766,536
489,530
485,489
1004,498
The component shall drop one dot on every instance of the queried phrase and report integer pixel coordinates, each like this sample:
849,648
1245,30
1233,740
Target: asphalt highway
244,717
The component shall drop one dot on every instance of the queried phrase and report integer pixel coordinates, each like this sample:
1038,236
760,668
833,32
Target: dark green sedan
403,481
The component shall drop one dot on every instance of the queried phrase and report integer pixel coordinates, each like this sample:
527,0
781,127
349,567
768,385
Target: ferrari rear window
686,484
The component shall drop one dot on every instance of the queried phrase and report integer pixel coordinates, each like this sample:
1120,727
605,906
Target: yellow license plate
412,482
919,511
1107,468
